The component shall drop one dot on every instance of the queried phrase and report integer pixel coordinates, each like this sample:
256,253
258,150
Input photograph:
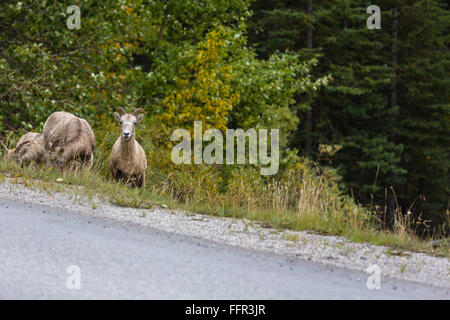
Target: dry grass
301,200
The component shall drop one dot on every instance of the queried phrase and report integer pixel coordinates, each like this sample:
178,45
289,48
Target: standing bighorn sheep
29,148
69,140
128,161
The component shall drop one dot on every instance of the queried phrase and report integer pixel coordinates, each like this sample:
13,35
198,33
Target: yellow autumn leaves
203,88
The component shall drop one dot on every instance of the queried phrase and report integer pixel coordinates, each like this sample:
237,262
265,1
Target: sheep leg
139,181
119,175
90,162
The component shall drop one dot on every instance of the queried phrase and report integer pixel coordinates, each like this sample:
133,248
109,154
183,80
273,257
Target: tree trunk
394,65
392,205
309,115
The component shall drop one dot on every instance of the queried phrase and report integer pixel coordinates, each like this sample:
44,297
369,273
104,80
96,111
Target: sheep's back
27,138
54,129
69,134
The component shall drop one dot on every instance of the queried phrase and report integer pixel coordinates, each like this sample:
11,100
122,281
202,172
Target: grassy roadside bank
317,208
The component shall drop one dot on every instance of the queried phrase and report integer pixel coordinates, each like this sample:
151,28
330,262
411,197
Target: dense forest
366,108
387,106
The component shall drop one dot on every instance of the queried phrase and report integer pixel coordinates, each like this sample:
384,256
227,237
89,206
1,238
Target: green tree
423,98
387,103
152,55
353,109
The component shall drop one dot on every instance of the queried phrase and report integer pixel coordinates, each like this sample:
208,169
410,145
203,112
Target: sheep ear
117,116
139,114
121,110
140,117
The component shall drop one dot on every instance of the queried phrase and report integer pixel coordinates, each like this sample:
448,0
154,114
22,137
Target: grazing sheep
128,161
29,148
69,141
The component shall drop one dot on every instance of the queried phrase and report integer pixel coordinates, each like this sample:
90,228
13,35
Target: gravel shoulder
329,250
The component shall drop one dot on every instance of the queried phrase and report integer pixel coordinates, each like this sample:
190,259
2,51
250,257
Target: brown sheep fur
29,148
69,140
128,161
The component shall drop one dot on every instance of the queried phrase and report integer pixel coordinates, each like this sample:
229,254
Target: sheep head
128,121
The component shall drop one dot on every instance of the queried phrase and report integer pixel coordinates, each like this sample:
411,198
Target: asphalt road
117,261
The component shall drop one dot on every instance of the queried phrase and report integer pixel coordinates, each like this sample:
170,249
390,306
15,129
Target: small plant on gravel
291,237
403,268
